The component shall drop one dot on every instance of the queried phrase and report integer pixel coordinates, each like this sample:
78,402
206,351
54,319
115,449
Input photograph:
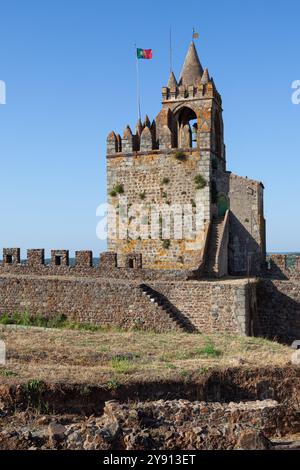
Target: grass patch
35,386
113,357
122,365
209,351
171,366
57,321
7,373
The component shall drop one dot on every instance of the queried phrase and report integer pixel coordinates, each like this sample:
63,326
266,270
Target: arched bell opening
187,123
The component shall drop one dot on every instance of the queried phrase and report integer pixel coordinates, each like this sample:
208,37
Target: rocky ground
159,425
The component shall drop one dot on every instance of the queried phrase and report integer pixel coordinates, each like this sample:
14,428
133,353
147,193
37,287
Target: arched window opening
187,128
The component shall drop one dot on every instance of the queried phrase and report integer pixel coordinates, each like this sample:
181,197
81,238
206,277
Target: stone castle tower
174,169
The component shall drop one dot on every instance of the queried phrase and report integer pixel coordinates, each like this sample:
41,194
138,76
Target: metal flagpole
171,52
138,84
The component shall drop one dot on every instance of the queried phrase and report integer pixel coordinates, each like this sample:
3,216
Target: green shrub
112,384
200,182
166,244
117,189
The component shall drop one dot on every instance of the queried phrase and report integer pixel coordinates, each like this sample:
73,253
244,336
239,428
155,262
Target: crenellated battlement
144,139
36,258
109,265
284,266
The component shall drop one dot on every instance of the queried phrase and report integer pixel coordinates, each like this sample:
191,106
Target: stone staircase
162,302
211,263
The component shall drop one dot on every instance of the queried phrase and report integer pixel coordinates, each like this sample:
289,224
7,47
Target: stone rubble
159,425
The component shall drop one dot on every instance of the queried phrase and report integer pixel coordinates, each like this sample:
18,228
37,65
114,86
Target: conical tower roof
192,70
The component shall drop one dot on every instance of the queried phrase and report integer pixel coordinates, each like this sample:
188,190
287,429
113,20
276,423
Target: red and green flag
144,53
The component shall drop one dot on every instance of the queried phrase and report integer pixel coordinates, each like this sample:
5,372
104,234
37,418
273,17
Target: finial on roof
147,122
139,127
172,83
127,132
192,70
205,77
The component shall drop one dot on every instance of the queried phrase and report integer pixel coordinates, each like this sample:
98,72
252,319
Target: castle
180,159
186,237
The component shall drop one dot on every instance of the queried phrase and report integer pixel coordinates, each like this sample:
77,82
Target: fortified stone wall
206,306
108,295
85,300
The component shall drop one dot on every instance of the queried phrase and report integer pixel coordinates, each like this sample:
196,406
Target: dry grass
117,357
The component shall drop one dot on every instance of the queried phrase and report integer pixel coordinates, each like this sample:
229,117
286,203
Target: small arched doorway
223,205
187,128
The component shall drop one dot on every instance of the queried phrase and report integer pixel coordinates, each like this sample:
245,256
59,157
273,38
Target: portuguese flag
144,53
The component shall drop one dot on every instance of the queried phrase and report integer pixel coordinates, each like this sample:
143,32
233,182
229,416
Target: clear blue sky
70,75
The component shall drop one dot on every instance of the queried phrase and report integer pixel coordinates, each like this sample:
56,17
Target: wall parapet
284,266
84,266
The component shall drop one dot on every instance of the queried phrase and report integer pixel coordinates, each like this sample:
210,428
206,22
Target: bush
200,182
166,244
118,189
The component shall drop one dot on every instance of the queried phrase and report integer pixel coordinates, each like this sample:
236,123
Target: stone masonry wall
210,306
278,315
159,178
86,300
247,226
